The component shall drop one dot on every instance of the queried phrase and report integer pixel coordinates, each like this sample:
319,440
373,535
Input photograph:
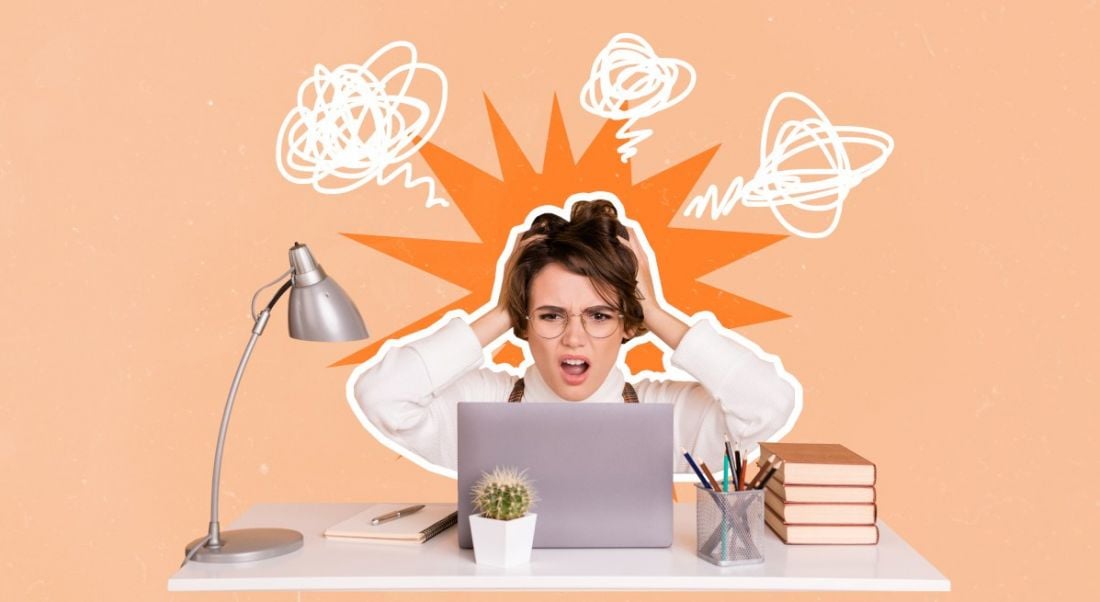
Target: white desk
439,564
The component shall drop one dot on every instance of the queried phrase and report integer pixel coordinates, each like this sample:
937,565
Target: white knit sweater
411,394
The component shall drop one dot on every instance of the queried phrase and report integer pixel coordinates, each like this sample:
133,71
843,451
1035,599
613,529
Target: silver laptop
602,472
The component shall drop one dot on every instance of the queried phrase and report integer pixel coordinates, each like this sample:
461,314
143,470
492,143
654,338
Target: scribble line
629,82
774,187
349,126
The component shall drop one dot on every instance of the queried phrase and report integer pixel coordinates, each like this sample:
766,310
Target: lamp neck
257,330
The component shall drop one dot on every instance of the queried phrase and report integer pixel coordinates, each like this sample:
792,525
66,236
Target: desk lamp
319,311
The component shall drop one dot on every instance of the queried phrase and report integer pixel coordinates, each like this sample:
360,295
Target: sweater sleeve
737,393
411,393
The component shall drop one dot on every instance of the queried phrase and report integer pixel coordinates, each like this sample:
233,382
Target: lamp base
246,545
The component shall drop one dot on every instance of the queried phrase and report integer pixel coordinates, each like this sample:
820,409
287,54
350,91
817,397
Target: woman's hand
666,326
490,326
645,272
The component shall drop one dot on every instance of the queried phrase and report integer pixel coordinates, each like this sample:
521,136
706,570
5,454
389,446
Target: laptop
602,472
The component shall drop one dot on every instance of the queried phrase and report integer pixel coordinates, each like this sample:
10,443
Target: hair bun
599,218
586,210
546,224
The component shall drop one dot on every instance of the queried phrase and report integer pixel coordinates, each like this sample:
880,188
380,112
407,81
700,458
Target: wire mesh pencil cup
729,526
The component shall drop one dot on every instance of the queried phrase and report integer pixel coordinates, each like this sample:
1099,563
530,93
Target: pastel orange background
947,330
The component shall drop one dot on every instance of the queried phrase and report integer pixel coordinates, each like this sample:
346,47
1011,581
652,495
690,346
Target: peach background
947,330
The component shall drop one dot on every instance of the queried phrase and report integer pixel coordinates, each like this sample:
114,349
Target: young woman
575,290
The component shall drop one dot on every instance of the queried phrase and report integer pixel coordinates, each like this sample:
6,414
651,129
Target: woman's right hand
491,325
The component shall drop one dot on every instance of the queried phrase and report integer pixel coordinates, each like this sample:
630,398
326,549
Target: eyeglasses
598,322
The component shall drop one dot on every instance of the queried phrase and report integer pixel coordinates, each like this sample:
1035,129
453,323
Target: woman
575,290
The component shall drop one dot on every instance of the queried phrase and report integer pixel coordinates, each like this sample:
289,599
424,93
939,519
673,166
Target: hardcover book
819,464
838,494
821,534
820,514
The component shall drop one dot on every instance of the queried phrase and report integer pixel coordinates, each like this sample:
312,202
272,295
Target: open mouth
574,370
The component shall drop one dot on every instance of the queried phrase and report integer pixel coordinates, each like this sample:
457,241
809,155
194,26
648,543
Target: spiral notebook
414,528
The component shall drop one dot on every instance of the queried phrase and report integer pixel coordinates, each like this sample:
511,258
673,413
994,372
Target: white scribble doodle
815,190
351,124
628,71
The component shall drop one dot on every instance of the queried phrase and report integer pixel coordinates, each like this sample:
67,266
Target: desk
439,564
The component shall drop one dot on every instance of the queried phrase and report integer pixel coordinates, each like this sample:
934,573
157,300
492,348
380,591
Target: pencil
725,473
739,467
771,472
710,476
695,467
728,463
744,472
760,473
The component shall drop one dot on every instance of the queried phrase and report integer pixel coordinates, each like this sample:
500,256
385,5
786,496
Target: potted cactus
504,530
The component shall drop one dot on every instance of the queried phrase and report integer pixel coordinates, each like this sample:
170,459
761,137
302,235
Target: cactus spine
503,494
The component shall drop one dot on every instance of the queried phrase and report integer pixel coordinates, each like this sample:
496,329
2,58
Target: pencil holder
729,526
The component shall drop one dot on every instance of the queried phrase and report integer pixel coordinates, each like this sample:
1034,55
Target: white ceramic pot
502,542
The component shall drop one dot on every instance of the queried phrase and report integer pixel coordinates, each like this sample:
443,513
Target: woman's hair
588,245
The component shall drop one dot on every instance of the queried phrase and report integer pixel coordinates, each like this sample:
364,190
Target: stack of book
822,493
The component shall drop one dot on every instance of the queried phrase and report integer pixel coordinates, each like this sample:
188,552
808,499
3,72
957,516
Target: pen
771,472
726,473
710,477
695,467
378,520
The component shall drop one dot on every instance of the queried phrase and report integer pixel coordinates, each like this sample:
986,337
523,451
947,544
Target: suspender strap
629,394
517,392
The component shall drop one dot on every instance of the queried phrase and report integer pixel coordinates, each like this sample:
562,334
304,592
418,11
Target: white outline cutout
773,187
323,137
670,372
638,74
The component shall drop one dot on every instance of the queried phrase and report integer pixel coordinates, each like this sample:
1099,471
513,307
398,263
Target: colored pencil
729,463
710,477
771,473
739,467
760,473
695,467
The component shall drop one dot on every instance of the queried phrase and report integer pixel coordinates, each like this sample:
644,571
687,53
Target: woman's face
575,363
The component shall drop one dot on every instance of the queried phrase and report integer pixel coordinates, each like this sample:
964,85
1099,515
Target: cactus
503,494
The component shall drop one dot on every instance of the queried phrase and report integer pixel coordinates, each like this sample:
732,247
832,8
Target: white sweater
411,394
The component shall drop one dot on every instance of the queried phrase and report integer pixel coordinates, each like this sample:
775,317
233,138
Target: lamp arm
214,537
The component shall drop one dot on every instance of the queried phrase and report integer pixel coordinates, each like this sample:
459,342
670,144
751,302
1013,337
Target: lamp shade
319,309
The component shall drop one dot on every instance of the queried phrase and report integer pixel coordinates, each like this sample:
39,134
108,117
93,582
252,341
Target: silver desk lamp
319,311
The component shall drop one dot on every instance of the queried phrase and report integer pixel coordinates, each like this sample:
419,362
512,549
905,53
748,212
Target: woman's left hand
645,272
666,326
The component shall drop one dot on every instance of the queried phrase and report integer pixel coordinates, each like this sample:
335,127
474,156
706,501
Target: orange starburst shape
493,206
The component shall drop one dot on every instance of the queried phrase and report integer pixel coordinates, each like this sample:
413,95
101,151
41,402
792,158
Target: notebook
415,528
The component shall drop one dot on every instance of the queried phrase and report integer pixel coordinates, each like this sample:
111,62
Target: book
819,464
839,494
794,513
821,534
416,528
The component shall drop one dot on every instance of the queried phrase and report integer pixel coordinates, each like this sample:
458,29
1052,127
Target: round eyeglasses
598,322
